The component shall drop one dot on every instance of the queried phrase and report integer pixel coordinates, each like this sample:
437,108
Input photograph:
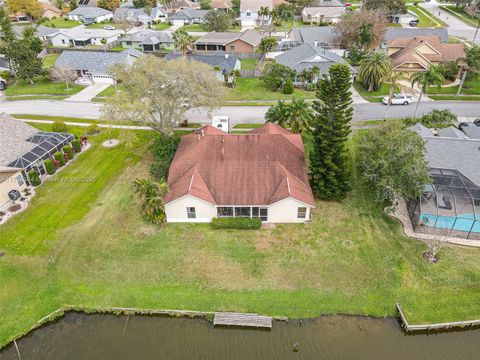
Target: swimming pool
463,222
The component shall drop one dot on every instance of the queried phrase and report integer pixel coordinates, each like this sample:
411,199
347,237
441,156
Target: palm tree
151,197
433,76
296,115
374,68
182,40
314,73
472,62
264,14
304,76
393,79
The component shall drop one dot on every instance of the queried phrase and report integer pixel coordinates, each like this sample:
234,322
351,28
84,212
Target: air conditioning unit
13,195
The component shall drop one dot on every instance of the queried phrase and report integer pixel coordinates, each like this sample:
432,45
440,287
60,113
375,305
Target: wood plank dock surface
244,320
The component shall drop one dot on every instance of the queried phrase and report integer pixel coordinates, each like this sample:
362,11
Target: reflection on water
82,336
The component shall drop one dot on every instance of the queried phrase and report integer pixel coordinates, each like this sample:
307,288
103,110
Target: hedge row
237,223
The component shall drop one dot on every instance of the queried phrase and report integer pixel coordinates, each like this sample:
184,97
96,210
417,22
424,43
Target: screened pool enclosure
45,145
449,206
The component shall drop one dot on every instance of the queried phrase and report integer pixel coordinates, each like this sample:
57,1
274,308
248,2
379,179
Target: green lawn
101,25
61,23
49,60
374,96
193,27
286,26
248,64
462,15
255,89
469,88
41,86
85,244
425,18
161,26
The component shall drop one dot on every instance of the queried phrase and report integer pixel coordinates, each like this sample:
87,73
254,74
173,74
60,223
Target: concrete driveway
87,94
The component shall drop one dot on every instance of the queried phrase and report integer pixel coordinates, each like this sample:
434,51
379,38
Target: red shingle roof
259,168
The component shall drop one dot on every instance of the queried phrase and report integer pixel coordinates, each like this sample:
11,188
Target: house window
212,47
63,41
263,214
232,47
248,14
201,47
19,179
191,214
302,213
129,43
224,211
242,211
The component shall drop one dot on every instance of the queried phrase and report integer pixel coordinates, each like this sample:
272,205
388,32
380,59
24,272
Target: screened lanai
449,206
46,144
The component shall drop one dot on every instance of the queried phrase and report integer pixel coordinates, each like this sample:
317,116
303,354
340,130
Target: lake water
81,336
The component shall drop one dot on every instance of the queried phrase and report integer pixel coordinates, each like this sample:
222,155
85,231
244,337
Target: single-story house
87,14
94,65
180,5
323,11
306,56
133,15
415,55
43,32
78,37
451,202
187,16
231,42
148,40
11,182
25,147
51,12
324,36
262,174
249,11
225,62
20,17
392,33
221,4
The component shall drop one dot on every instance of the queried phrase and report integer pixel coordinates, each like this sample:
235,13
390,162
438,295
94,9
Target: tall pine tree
329,173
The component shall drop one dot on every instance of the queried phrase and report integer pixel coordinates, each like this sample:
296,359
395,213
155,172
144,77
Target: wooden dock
242,320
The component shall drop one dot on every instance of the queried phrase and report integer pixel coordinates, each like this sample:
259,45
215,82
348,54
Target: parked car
109,27
348,4
413,23
221,122
399,99
3,84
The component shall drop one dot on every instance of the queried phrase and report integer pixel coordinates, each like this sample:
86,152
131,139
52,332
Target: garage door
105,79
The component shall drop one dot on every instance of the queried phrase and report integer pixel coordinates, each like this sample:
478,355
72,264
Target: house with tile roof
243,42
261,174
411,55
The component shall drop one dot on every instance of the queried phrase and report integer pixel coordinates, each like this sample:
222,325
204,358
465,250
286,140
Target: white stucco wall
176,211
9,184
285,211
248,20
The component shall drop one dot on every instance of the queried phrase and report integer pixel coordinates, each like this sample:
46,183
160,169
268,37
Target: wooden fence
250,73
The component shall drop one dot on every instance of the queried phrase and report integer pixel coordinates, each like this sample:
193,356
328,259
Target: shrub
49,166
163,149
237,223
68,151
59,157
76,145
59,126
34,177
5,75
451,70
93,129
311,87
275,75
438,118
288,87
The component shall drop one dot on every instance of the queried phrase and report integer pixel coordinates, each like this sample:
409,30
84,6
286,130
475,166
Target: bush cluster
93,129
50,166
69,151
163,150
59,126
59,157
237,223
34,177
77,145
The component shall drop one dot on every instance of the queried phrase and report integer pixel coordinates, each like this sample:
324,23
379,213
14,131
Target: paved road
456,27
238,114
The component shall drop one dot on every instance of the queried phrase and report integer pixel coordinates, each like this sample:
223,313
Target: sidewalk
88,93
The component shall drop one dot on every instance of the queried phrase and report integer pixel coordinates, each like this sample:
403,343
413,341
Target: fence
250,73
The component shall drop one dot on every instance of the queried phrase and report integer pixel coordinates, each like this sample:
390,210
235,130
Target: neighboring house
94,65
262,174
224,62
417,54
249,11
43,32
324,11
451,202
133,15
79,37
180,5
50,11
188,16
87,14
20,17
148,40
221,4
306,56
324,36
392,33
231,42
24,147
11,180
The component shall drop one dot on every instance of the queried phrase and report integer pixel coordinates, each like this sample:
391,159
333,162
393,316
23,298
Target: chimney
227,55
315,43
203,133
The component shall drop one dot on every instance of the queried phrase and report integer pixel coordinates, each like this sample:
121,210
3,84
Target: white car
221,122
109,27
399,99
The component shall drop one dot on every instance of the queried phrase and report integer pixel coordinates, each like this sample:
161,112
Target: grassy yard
469,88
161,26
374,96
248,64
49,60
193,27
41,86
255,89
425,18
61,23
101,25
85,244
